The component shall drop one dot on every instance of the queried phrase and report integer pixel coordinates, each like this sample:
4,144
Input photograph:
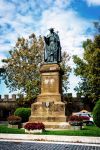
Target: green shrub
96,114
24,113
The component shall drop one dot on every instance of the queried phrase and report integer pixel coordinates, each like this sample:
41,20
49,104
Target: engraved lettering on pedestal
52,85
45,85
49,85
52,81
46,81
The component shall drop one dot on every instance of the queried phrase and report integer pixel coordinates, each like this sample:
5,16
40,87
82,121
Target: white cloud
7,10
62,3
93,2
59,3
72,29
23,20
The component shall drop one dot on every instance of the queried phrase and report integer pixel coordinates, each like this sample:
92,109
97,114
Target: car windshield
84,114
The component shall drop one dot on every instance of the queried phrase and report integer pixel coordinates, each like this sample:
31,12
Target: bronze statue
52,48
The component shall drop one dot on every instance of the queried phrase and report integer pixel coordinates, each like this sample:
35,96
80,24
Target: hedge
96,114
24,113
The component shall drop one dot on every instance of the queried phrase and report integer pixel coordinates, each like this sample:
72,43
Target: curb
51,138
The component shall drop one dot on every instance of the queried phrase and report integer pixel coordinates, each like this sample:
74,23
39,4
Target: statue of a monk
52,48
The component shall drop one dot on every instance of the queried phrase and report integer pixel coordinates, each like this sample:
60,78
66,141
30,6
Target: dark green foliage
2,70
88,69
96,114
24,113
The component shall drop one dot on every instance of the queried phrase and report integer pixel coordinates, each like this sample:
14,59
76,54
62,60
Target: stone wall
72,104
7,106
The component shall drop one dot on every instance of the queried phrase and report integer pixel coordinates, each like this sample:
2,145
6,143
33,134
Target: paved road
9,145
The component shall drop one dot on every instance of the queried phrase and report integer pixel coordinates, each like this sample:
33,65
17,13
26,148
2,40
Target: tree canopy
22,66
88,69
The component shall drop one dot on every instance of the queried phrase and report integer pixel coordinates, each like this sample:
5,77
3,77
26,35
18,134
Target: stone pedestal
49,109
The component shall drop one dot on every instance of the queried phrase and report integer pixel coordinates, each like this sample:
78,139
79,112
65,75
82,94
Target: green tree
22,66
2,70
88,69
96,114
67,70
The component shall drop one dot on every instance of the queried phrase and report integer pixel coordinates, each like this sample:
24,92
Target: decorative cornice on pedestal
51,68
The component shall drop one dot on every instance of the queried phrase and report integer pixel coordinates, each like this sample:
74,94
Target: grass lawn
5,129
87,131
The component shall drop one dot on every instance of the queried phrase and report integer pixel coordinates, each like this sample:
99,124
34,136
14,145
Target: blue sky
72,18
